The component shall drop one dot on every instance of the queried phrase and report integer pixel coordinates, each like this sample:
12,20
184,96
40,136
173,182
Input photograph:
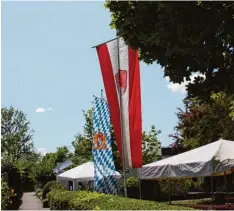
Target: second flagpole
121,124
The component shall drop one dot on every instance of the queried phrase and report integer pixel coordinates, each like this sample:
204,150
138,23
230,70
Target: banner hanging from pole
121,76
104,167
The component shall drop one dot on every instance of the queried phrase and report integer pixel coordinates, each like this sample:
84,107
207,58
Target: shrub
60,199
39,195
14,181
37,190
179,188
45,203
5,195
49,186
132,182
84,200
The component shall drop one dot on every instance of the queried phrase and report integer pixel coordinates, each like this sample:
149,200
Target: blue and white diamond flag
104,167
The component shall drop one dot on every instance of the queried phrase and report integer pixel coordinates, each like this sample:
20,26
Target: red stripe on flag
135,121
111,92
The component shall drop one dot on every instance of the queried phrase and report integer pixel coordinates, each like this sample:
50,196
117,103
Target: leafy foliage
18,155
5,195
83,143
202,123
42,172
52,185
132,182
83,200
16,135
184,38
151,145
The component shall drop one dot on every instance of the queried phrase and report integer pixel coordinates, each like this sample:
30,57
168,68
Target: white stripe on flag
123,60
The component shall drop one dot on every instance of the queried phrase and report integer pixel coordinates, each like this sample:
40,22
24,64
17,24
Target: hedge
49,186
84,200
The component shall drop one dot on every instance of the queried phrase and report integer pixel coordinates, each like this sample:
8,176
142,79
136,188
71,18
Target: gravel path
31,202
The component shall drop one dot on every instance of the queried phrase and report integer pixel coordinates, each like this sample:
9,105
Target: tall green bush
5,195
50,186
132,184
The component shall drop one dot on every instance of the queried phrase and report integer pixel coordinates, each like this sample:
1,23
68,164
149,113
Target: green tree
82,150
18,154
16,135
184,38
151,145
62,154
202,123
83,142
42,172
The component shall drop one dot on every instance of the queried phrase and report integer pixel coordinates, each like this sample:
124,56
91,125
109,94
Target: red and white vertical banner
121,73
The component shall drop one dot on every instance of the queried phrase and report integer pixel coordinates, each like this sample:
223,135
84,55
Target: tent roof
207,160
84,172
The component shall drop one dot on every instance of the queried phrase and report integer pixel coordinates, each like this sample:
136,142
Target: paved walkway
31,202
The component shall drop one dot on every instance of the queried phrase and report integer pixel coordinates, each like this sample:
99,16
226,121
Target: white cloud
175,87
42,110
42,151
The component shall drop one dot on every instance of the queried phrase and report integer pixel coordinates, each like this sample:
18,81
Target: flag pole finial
101,93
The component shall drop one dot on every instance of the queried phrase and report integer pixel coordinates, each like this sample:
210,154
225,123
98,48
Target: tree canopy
202,123
42,172
16,135
185,38
151,145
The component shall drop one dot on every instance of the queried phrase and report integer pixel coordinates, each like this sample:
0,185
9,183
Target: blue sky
48,62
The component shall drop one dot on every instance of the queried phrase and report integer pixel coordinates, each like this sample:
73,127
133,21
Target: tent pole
139,181
212,192
169,191
225,178
232,170
73,185
155,190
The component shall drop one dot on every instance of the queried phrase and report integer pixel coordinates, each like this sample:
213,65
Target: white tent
82,173
208,160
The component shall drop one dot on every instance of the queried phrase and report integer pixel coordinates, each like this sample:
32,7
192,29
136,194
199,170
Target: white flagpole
121,124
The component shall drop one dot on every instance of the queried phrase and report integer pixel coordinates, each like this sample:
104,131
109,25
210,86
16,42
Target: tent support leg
155,190
73,187
139,181
140,189
212,192
169,191
232,177
225,179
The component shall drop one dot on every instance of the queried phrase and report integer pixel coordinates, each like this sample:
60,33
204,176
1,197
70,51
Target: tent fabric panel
211,159
84,172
